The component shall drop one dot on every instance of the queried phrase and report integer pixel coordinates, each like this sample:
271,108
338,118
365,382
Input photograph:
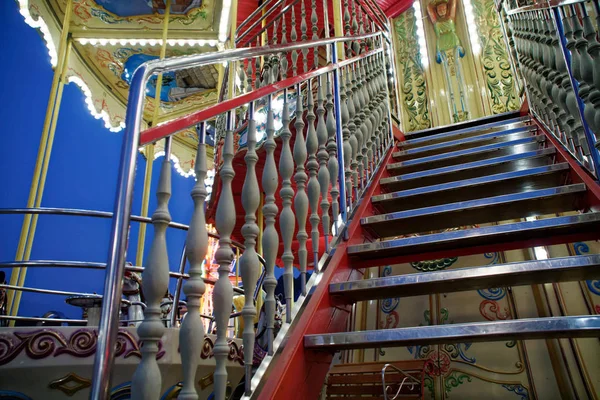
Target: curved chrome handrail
407,376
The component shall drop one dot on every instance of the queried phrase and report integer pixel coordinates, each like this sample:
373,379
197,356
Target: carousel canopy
109,39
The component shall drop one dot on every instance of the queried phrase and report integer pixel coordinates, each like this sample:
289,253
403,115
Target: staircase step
479,211
468,189
512,162
576,268
520,329
421,138
464,143
490,235
468,155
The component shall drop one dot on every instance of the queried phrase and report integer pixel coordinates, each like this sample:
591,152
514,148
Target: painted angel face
442,9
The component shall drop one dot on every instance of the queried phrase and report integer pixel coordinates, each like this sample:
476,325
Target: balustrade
327,129
557,50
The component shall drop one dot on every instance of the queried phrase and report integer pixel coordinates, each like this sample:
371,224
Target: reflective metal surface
464,143
455,129
497,234
491,209
575,268
468,155
489,185
523,329
469,170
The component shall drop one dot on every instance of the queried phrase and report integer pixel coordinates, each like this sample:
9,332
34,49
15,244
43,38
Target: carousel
97,45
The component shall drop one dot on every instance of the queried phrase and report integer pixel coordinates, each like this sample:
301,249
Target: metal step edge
520,329
497,124
453,236
535,171
466,166
472,139
466,152
563,269
474,204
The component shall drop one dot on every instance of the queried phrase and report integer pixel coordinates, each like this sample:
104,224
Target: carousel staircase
438,190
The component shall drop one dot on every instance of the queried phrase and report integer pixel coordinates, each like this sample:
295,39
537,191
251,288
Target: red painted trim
524,110
398,8
300,373
578,173
158,132
398,134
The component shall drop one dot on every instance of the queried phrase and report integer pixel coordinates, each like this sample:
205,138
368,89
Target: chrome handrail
407,376
99,214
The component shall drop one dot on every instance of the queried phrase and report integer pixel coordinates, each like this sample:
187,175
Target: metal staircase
428,202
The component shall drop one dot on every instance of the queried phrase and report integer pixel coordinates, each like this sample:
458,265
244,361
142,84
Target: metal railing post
113,284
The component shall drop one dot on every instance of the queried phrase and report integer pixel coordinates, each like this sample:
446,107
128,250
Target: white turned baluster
270,239
301,200
332,164
286,219
241,76
294,37
223,291
191,334
283,62
274,77
347,145
257,70
146,382
249,265
303,29
312,145
350,81
323,158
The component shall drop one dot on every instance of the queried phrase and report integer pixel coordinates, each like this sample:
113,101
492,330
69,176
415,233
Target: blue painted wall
82,173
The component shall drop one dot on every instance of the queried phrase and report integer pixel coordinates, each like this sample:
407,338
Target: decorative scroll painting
499,77
411,76
457,370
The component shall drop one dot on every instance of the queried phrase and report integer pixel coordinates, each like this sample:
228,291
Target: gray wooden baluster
286,219
257,70
369,122
146,382
577,133
347,146
294,37
303,30
358,133
223,291
270,239
332,164
364,118
323,157
374,114
274,77
590,64
283,62
301,199
242,77
249,265
351,101
191,334
266,64
313,188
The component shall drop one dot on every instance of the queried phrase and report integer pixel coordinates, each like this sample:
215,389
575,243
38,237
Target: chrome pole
115,265
338,138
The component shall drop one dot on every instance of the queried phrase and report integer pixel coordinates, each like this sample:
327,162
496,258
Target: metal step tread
458,142
466,166
520,329
467,152
499,125
496,234
565,269
477,203
527,176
